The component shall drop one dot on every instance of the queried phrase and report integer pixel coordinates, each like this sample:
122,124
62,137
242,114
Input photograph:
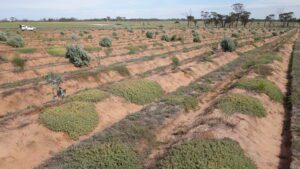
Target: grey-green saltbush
105,42
228,45
78,56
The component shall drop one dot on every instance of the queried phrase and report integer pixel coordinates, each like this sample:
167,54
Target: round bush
78,56
228,45
16,41
74,118
207,154
238,103
165,38
105,42
92,95
3,36
101,155
138,91
149,35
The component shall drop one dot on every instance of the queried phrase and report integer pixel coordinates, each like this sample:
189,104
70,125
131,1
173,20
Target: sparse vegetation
238,103
196,37
207,154
78,56
186,102
175,61
74,118
138,91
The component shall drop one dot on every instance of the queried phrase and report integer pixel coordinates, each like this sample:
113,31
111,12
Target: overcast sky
83,9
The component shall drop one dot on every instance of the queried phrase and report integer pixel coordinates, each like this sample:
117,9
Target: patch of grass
186,102
265,59
74,118
138,91
207,154
101,155
92,49
19,62
262,86
92,95
238,103
26,50
57,51
134,49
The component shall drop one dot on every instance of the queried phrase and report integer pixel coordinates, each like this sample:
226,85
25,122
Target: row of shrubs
13,40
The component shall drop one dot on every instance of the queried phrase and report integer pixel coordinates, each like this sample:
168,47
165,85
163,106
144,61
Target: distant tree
206,17
269,19
245,18
238,8
286,18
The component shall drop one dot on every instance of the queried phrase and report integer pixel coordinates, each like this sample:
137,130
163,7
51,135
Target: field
149,95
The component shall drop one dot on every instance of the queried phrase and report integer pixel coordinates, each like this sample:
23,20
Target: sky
163,9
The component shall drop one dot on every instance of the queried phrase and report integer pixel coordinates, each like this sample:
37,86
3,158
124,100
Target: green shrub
19,62
111,155
91,95
196,37
175,61
138,91
78,56
3,36
238,103
89,37
262,86
62,33
74,118
149,35
16,41
228,45
235,35
105,42
207,154
26,50
56,51
186,102
165,38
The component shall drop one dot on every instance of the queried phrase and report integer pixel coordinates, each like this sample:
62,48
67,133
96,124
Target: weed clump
19,62
207,154
228,45
105,42
138,91
196,37
16,41
121,69
78,56
74,118
175,61
92,95
262,86
165,38
238,103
